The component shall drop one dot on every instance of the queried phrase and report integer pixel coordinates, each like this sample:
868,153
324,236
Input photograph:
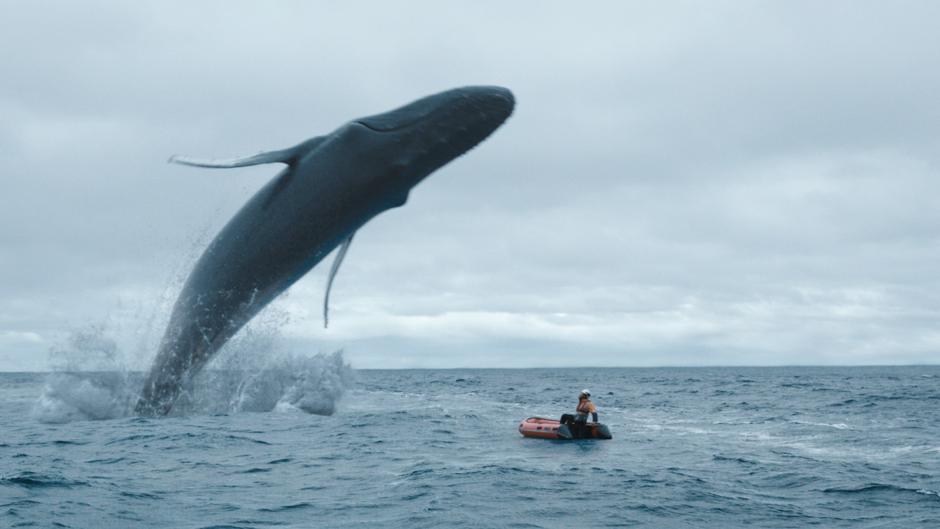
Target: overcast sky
682,183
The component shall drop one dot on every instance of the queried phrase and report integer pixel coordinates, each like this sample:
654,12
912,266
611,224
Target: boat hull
543,428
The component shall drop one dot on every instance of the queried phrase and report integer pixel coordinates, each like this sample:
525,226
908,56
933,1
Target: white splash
88,382
311,384
91,382
68,397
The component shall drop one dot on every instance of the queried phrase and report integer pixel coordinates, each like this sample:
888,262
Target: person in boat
585,408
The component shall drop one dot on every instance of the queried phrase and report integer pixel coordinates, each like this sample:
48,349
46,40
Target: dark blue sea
697,447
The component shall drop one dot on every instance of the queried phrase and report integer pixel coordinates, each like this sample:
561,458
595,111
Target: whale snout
497,102
473,114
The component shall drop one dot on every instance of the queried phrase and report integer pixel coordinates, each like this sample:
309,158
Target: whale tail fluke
286,156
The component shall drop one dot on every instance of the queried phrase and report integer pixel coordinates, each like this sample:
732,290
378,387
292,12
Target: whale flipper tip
286,156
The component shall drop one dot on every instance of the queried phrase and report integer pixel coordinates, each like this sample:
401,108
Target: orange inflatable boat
542,428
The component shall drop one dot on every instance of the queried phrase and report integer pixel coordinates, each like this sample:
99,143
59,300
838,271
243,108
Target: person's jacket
586,406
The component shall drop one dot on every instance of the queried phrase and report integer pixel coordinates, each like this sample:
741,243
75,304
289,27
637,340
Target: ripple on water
140,495
35,480
254,470
875,489
288,507
106,461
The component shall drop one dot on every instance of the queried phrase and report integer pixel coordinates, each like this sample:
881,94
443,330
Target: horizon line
717,366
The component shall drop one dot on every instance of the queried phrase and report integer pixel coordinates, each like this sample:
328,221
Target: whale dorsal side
287,156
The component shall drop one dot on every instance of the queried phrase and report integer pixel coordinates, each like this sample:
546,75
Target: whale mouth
488,102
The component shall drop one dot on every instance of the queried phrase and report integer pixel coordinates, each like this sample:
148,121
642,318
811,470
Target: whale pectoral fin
287,156
338,260
260,158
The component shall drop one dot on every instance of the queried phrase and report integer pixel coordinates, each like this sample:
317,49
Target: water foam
310,384
69,397
89,380
252,377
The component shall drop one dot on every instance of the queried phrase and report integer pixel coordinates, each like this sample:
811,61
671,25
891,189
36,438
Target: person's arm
594,415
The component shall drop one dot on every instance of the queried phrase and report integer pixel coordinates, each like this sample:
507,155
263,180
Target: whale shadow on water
331,187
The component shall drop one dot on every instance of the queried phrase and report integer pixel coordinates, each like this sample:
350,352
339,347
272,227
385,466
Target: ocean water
696,447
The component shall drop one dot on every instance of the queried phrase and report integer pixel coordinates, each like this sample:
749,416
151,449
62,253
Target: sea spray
287,382
94,370
90,380
255,373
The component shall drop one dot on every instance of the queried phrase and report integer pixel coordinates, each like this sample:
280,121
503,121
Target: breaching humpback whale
332,185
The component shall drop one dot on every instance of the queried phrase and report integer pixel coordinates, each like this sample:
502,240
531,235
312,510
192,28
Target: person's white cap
585,392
